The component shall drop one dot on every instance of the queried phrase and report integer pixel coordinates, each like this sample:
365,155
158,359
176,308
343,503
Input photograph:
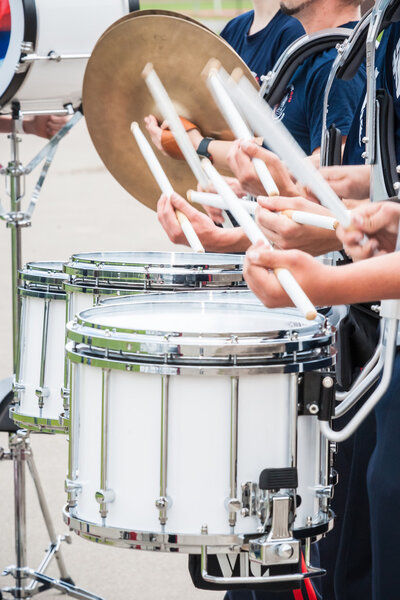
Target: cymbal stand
20,451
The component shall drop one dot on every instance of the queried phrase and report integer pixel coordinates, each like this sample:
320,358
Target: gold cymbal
115,94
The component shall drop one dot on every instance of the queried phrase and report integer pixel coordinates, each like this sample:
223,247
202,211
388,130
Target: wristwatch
202,149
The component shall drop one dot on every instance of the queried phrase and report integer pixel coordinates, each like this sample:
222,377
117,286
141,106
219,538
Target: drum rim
34,273
232,261
29,35
198,365
186,543
41,424
38,292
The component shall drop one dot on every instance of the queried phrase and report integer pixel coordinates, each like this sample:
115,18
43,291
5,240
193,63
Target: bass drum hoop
30,35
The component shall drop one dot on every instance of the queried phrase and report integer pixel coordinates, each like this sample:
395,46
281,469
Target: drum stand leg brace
20,450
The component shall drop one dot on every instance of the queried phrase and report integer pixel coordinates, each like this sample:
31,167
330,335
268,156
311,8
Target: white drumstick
215,200
236,122
286,279
167,109
307,218
165,185
261,117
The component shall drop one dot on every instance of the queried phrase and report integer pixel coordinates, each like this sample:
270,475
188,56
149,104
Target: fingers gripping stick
254,234
165,185
215,82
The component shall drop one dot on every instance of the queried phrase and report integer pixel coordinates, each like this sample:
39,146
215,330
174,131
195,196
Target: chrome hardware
327,382
72,486
233,505
313,408
204,530
42,392
324,491
26,47
278,547
105,496
376,308
164,448
234,449
18,387
52,56
163,503
249,499
104,440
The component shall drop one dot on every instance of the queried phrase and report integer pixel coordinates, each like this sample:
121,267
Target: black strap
202,149
387,140
334,146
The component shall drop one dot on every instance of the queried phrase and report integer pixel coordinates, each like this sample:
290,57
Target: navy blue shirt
301,107
387,67
261,50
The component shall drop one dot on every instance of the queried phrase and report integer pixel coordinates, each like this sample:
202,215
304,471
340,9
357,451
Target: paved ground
82,208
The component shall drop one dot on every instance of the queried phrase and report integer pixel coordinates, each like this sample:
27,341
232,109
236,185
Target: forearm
365,281
5,124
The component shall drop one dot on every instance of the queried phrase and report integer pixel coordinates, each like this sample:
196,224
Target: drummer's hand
216,213
287,234
239,160
309,273
379,221
44,125
349,181
213,238
155,131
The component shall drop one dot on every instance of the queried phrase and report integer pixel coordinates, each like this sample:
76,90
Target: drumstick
165,185
167,109
308,218
300,217
215,200
235,120
251,229
261,118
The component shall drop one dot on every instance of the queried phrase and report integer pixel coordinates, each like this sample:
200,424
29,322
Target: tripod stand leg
54,549
17,446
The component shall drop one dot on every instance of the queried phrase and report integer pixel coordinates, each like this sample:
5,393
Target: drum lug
324,491
105,496
278,547
249,499
26,49
163,503
72,488
42,393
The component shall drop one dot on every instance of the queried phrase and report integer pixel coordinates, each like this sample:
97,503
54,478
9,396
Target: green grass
197,5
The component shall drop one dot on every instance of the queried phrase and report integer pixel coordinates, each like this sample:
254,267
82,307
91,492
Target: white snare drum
50,43
178,403
98,275
40,369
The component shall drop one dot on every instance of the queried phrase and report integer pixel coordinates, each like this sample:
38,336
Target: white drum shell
66,27
31,352
198,448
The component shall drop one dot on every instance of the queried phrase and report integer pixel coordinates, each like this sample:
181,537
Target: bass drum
53,28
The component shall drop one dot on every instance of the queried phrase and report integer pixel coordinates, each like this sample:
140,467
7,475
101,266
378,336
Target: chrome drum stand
20,451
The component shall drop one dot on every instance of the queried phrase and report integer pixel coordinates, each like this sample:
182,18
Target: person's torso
261,50
301,108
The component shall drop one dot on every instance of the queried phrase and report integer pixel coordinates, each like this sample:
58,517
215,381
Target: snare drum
41,357
178,403
98,275
50,43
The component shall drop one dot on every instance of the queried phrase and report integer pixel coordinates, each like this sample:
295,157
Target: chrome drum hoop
155,270
287,337
38,424
171,542
165,367
42,280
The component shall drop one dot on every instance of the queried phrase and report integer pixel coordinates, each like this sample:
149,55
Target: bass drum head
23,29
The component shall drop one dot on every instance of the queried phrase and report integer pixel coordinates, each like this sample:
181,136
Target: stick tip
237,74
147,70
212,66
134,125
189,195
288,213
311,315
